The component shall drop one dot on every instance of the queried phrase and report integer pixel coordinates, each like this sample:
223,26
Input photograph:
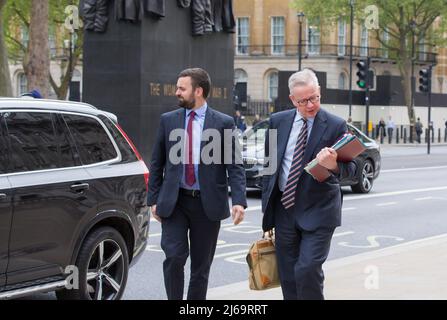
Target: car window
257,133
4,161
91,139
32,141
126,151
68,152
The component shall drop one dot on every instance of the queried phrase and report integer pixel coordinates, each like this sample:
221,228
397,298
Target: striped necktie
288,196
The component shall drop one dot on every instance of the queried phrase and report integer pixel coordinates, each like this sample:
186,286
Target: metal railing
329,50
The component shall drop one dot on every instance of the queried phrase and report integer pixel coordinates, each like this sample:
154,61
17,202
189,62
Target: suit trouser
189,216
300,255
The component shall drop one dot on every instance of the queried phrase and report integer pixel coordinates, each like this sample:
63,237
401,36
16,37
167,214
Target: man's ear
292,99
199,91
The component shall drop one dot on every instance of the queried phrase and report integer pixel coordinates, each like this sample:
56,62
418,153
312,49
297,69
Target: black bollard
397,135
405,135
439,135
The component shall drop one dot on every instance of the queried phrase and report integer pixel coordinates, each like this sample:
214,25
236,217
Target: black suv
73,188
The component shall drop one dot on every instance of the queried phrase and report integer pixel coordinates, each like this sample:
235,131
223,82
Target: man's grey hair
303,78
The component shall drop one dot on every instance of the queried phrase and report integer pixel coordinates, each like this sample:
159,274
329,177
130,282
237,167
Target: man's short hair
303,78
199,78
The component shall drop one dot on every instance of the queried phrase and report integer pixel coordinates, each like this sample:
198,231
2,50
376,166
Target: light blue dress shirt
197,129
288,155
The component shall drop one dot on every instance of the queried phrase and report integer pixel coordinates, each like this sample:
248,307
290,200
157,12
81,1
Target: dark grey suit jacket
316,204
165,176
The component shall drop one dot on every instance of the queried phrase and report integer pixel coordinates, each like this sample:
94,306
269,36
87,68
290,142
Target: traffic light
424,80
362,73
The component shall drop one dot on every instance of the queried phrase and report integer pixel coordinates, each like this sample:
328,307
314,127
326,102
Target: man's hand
327,157
237,214
154,213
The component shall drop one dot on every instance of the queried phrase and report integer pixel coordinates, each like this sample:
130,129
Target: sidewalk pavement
412,270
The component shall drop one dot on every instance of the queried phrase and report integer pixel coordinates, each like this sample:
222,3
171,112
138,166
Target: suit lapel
318,129
209,123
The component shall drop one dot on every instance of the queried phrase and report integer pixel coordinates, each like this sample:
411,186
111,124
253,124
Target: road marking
232,253
342,234
237,258
373,243
154,235
253,208
386,204
424,198
394,193
348,209
378,195
412,169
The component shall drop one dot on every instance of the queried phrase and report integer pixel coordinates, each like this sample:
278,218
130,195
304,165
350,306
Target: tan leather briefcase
261,259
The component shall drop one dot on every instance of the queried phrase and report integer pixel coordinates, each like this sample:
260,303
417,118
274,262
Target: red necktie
190,177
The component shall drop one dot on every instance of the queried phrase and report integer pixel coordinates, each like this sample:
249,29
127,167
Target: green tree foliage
17,23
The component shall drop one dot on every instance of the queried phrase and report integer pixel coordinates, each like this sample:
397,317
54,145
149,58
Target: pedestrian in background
381,129
390,126
256,120
418,127
189,197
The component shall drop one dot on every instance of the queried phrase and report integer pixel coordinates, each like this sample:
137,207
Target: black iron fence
330,50
261,107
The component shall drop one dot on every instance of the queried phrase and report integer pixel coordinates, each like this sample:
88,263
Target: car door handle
2,196
78,187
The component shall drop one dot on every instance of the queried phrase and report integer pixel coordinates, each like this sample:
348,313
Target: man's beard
187,104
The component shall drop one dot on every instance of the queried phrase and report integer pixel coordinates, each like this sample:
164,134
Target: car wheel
365,178
103,264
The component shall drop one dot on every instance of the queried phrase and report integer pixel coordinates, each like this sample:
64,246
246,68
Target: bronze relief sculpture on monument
207,16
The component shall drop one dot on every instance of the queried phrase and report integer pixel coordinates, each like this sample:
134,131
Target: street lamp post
413,27
351,4
300,16
70,45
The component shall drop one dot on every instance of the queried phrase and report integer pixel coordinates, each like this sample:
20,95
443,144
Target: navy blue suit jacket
316,204
165,176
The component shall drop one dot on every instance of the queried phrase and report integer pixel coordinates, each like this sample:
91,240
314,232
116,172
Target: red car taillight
134,149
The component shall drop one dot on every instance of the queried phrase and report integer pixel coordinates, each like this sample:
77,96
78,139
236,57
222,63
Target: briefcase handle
269,235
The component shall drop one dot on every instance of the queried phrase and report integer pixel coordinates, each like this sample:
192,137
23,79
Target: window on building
342,81
278,35
386,39
440,82
422,50
22,84
273,85
25,36
314,38
243,35
364,42
341,37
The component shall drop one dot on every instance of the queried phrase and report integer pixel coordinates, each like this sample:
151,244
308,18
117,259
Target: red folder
346,152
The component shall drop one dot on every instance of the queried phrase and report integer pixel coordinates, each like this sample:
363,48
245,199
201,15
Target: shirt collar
199,112
298,117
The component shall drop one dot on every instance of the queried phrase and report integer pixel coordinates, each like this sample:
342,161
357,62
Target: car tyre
103,264
365,177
